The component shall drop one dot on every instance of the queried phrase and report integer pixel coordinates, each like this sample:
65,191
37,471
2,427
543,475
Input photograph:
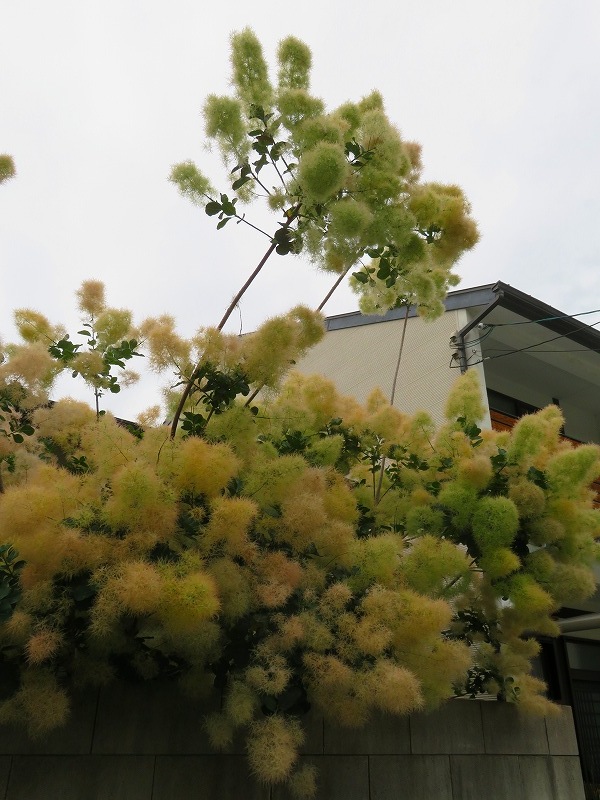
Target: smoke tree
345,186
289,549
7,168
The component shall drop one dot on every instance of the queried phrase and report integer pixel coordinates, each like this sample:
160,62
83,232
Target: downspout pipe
458,340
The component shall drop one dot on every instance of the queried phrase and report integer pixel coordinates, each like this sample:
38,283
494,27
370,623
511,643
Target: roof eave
533,309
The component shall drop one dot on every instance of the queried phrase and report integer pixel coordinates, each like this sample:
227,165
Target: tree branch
260,183
333,288
188,387
253,395
245,221
393,392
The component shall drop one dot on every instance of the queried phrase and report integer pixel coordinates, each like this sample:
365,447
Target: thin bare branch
333,288
245,221
393,393
289,219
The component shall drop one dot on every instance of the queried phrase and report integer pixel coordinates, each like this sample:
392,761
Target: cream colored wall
360,359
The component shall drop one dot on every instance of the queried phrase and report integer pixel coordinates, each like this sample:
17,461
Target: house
527,355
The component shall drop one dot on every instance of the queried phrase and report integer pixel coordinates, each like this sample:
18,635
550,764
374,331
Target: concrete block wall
147,743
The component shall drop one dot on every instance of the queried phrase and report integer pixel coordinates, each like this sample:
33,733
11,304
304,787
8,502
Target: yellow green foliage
476,470
528,498
422,519
465,399
7,168
337,689
439,665
220,730
138,587
39,702
251,560
273,748
240,703
234,588
139,501
113,325
295,60
303,515
230,521
224,122
323,170
268,353
91,298
495,522
201,468
296,548
34,327
187,601
499,562
460,500
532,433
396,690
375,560
166,347
28,373
435,567
303,783
64,423
271,478
343,181
250,73
570,472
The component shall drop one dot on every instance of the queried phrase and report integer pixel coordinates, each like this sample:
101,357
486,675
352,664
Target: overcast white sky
99,98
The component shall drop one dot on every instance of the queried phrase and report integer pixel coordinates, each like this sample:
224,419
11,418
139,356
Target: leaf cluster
305,550
10,588
345,183
287,558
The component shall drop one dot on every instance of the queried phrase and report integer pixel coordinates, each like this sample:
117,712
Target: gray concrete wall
147,743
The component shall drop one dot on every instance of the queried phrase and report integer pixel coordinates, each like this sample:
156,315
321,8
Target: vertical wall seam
521,778
95,722
8,777
547,737
153,777
485,743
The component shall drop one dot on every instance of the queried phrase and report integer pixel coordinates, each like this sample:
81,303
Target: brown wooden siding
505,422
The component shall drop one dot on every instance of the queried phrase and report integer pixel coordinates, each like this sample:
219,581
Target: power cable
543,319
531,346
474,342
579,350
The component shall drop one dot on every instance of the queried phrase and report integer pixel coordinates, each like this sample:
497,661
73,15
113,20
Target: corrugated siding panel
361,359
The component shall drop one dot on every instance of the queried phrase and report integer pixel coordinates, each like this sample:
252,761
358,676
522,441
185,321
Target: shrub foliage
298,549
303,552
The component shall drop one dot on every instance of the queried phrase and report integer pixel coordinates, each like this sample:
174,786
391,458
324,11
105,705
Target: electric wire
531,346
578,350
542,319
473,342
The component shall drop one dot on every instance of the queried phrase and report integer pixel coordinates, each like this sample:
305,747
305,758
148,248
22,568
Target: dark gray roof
488,296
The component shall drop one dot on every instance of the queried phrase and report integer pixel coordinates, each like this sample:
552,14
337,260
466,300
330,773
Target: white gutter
585,622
